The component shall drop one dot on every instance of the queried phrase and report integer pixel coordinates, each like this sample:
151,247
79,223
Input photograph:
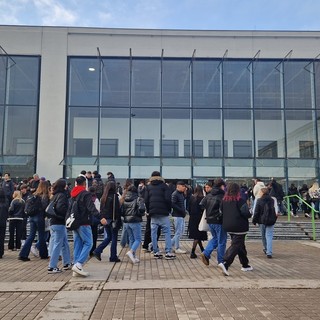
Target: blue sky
165,14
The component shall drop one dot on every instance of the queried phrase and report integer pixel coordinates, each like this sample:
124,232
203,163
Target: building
192,104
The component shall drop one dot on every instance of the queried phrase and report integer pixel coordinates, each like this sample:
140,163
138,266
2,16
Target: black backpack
33,205
268,216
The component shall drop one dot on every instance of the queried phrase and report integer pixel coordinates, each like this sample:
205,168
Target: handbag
203,225
50,210
114,222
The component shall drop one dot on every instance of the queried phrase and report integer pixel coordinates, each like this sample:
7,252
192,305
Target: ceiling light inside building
92,69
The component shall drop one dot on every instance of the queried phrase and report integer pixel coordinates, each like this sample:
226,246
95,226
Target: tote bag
203,225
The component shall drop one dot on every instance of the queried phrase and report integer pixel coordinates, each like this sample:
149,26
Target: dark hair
59,186
219,182
132,188
95,172
181,183
198,191
209,183
155,174
233,192
92,189
83,172
110,186
80,180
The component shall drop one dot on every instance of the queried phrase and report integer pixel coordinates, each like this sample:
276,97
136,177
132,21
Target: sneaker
67,266
35,251
307,215
150,249
169,256
115,260
247,268
79,271
158,255
74,274
193,256
54,270
131,257
180,251
269,256
97,255
22,243
23,258
204,259
224,269
136,260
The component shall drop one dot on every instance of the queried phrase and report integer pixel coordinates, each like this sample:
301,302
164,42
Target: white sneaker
22,243
74,274
223,268
136,260
180,251
131,256
34,251
247,268
79,271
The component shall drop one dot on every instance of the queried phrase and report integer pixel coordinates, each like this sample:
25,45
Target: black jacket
132,208
16,209
235,216
4,206
157,197
178,204
258,211
61,208
211,202
106,209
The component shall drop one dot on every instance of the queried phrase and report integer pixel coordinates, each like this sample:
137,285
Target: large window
109,147
170,148
144,148
197,148
267,149
306,149
242,149
215,148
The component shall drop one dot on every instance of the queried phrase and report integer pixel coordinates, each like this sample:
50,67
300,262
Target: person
178,204
98,184
235,212
141,188
37,224
276,191
110,212
4,207
195,216
59,239
95,222
306,203
8,186
266,207
294,201
133,210
89,178
258,184
158,204
211,202
314,194
34,183
110,177
16,216
82,237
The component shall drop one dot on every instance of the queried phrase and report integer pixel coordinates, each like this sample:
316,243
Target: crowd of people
107,207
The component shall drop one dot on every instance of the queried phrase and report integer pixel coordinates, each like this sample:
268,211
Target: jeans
36,224
179,229
82,243
164,223
218,240
147,233
58,244
124,240
134,231
111,235
237,248
15,231
267,235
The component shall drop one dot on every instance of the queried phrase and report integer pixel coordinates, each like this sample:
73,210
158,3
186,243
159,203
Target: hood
130,196
156,180
76,190
215,191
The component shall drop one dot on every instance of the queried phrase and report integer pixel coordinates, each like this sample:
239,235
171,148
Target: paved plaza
285,287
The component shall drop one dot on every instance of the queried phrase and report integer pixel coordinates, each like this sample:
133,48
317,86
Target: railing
313,211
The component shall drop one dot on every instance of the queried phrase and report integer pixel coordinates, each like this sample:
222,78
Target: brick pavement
284,287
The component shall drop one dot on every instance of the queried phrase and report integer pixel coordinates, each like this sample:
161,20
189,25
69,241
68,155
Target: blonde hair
17,195
314,187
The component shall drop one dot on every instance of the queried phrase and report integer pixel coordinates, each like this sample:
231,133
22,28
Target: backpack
33,205
73,217
99,185
268,216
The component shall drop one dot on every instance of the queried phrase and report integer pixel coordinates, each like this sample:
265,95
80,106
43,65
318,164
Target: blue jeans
134,231
111,235
36,224
218,241
82,243
124,240
179,229
267,236
164,223
58,244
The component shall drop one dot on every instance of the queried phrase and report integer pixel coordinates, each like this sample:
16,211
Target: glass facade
19,104
194,118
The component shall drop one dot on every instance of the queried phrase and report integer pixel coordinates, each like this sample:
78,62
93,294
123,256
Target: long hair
109,188
198,191
17,195
59,186
233,192
43,189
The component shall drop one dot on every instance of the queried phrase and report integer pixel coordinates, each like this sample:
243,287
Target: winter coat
235,216
211,202
16,209
106,208
157,197
4,207
195,211
133,208
85,204
178,204
259,208
8,187
61,208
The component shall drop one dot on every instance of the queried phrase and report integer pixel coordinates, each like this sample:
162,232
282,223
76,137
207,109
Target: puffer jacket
211,202
235,216
157,197
61,208
178,204
16,209
132,208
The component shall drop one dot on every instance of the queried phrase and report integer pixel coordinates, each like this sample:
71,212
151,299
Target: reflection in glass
242,149
3,67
